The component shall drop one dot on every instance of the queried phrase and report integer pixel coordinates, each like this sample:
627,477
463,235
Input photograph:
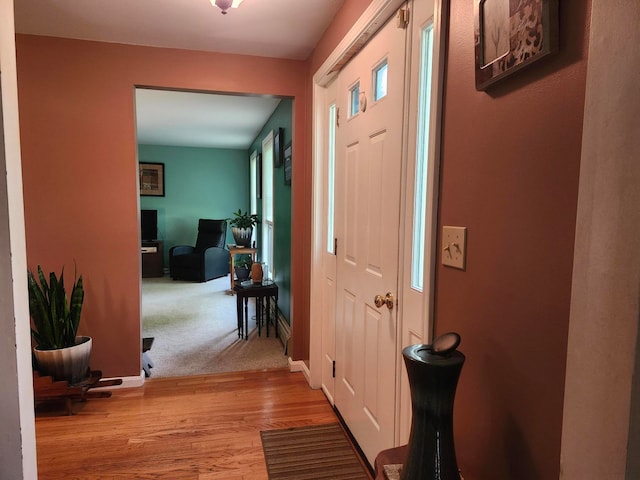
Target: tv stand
152,259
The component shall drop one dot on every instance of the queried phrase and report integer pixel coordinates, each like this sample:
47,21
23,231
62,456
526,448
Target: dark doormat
309,453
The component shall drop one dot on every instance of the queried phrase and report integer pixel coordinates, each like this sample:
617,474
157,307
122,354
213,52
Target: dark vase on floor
433,379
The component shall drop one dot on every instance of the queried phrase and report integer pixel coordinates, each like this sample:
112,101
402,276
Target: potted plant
242,267
59,351
242,227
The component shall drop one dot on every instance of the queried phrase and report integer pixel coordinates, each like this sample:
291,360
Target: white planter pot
70,364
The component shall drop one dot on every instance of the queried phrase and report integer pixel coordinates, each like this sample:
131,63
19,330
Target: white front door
367,227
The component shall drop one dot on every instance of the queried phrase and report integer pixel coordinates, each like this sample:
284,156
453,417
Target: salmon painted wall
346,17
509,173
76,101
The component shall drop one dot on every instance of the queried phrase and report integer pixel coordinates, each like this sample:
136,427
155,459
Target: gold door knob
387,300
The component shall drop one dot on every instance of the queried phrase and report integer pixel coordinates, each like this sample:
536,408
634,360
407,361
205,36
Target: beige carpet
195,330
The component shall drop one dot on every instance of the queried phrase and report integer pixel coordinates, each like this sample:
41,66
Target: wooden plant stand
45,389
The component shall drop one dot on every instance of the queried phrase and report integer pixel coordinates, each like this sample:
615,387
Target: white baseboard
299,366
127,382
285,337
327,394
284,333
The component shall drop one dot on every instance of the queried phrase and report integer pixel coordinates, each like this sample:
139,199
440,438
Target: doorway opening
202,143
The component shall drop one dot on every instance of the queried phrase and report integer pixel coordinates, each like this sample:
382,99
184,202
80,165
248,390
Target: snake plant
55,318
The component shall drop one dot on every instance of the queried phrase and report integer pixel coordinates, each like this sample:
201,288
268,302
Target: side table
392,456
46,389
152,259
236,250
247,289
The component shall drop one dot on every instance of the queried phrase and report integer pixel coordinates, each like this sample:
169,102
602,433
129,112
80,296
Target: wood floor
201,427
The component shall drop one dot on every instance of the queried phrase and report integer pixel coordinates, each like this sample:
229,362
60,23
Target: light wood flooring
200,427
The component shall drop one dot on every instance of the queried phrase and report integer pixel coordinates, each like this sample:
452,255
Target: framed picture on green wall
287,164
259,176
278,139
151,179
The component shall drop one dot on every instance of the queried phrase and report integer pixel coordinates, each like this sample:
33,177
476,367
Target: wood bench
45,389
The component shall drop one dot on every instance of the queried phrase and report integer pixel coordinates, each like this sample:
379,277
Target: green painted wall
213,183
199,183
281,118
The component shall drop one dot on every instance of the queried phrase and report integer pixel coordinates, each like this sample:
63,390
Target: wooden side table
247,289
45,389
235,250
392,456
152,259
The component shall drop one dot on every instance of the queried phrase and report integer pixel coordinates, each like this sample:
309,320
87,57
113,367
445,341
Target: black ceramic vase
433,379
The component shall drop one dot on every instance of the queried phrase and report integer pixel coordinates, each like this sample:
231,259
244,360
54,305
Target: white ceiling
269,28
200,119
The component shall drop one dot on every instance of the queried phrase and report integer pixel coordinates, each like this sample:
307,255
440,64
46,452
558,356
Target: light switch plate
454,247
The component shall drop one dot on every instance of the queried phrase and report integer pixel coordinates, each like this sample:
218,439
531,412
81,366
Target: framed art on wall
278,139
287,164
259,175
151,179
511,35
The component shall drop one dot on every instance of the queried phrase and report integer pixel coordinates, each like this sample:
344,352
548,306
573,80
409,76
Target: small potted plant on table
242,227
242,267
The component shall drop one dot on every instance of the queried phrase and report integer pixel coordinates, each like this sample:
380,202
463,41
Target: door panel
373,337
328,333
375,245
328,258
351,227
423,134
350,376
368,169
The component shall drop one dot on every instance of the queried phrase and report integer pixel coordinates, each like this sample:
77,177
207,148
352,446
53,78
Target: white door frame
411,332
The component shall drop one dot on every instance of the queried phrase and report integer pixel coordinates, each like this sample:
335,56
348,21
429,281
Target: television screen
149,224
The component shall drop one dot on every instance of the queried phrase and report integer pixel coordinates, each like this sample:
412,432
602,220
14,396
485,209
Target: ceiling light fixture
225,5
